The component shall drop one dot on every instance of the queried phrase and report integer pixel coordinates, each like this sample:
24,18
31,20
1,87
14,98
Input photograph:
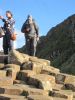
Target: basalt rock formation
33,78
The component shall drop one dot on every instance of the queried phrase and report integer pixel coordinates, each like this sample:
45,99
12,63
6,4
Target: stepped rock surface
58,46
32,78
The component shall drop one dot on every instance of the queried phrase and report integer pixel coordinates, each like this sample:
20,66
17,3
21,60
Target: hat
29,17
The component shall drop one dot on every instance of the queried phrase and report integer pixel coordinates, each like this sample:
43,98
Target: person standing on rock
31,31
9,33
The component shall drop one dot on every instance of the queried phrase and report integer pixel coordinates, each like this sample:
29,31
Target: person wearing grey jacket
31,31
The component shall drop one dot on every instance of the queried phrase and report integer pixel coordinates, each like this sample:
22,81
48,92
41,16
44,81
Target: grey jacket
34,30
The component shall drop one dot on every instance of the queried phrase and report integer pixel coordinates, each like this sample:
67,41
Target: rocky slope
58,46
32,78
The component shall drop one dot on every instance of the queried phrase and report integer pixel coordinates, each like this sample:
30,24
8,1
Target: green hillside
58,45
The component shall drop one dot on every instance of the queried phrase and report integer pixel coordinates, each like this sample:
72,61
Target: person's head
9,14
29,17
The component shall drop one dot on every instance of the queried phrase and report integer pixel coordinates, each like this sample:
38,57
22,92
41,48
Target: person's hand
1,17
37,38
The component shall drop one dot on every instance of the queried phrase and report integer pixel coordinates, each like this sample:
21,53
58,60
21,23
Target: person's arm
23,27
12,22
2,18
36,28
37,31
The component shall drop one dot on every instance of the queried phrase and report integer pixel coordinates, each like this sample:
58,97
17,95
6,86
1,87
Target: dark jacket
9,25
9,29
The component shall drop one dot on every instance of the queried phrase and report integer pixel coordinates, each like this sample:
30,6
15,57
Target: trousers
31,44
6,46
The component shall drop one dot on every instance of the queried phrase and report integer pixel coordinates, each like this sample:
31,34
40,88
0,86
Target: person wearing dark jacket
31,31
8,30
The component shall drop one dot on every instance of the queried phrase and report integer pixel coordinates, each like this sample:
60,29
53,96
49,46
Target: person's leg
31,47
11,45
33,44
5,53
28,46
5,48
